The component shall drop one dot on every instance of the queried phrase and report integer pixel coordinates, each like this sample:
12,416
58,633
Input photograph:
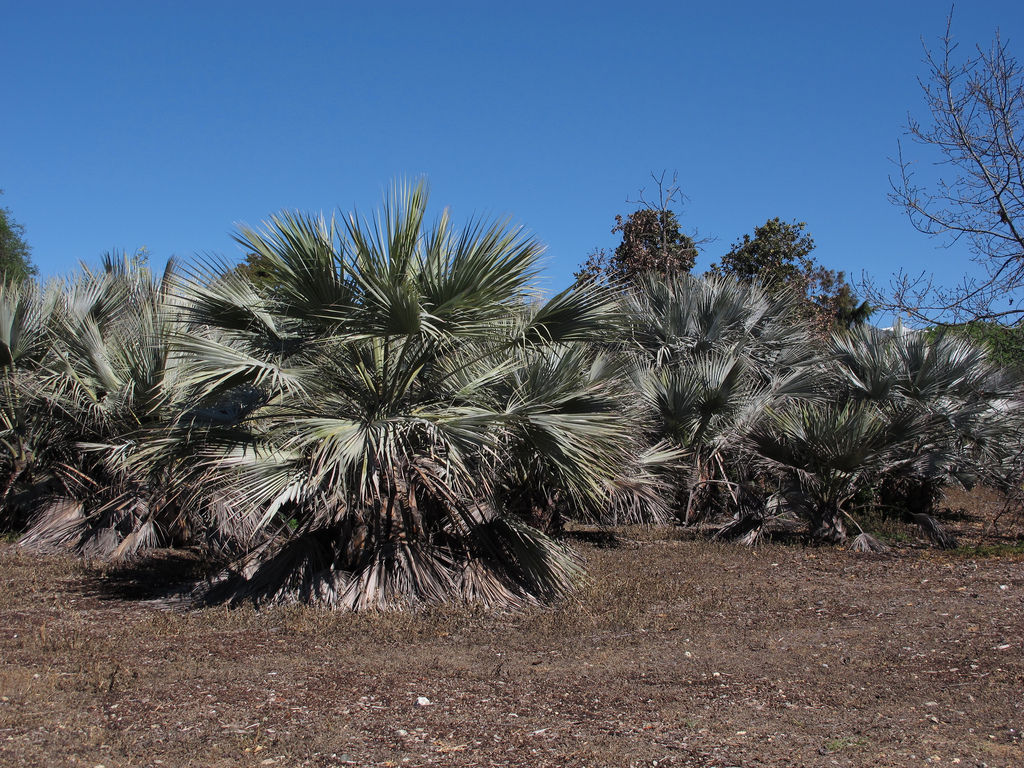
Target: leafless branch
977,127
667,197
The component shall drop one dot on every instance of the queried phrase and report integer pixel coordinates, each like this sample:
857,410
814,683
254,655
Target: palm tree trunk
828,525
7,519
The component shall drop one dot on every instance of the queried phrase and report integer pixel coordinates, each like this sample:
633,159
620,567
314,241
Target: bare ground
678,652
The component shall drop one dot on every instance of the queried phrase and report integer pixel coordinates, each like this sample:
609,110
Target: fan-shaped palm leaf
369,469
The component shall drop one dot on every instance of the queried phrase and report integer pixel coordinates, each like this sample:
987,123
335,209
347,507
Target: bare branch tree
667,196
977,126
652,240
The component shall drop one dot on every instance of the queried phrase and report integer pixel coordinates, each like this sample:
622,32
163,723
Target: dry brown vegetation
678,652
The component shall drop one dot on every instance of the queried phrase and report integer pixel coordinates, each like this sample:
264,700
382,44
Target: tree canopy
778,256
1005,344
651,241
15,253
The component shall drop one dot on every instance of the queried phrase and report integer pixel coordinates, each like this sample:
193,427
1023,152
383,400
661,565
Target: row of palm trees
392,416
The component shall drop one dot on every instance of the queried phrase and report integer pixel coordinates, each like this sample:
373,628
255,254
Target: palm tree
564,453
711,356
966,411
27,445
907,412
106,383
831,451
378,412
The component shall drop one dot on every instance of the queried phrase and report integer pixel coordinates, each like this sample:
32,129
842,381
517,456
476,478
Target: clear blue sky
162,124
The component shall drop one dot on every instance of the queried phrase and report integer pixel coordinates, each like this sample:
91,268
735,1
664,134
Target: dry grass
680,652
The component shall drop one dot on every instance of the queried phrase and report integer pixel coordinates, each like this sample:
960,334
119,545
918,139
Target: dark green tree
777,253
835,301
258,270
778,256
1005,344
15,253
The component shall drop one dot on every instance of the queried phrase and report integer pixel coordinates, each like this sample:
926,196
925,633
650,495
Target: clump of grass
844,742
1001,549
